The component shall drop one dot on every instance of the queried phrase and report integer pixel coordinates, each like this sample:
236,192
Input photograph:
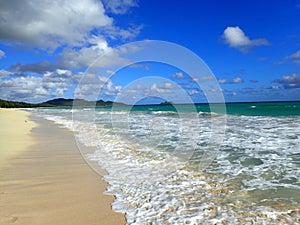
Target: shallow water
153,159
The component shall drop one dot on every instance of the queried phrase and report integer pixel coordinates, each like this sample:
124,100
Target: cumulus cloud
119,6
99,53
222,81
236,38
51,23
193,92
53,85
5,73
295,57
81,28
39,67
178,75
274,87
202,78
289,81
58,82
87,55
110,72
207,77
2,54
79,31
93,86
20,88
161,88
236,80
129,33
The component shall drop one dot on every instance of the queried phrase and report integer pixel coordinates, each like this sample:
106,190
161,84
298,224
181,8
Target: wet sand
44,179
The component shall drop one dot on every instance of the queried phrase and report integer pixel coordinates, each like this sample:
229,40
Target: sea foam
254,178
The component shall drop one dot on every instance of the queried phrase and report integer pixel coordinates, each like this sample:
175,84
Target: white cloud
39,67
54,85
162,88
5,73
93,86
31,88
72,58
110,72
51,23
21,88
2,54
289,81
57,83
207,77
99,54
169,85
275,87
193,92
237,80
295,57
236,38
178,75
115,33
119,6
82,30
222,81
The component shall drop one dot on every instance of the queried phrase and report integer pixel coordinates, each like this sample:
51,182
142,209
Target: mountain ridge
57,102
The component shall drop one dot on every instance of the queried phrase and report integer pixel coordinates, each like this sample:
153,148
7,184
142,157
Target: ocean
184,164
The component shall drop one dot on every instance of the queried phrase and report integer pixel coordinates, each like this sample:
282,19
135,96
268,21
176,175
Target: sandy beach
44,179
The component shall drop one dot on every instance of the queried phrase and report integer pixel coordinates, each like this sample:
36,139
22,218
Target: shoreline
44,179
14,124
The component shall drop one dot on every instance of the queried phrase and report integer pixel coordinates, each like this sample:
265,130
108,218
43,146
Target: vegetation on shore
59,102
14,104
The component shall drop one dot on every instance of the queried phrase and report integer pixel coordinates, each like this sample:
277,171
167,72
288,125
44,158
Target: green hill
59,102
14,104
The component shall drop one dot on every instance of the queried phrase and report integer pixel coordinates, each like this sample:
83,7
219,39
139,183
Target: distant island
59,102
62,102
166,103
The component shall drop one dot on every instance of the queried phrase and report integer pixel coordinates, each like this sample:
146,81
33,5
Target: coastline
44,179
15,129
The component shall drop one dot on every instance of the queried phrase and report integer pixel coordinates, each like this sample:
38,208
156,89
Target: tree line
13,104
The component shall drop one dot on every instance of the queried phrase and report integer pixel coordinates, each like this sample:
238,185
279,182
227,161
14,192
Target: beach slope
44,179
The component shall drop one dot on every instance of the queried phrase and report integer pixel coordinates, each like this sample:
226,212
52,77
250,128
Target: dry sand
43,178
15,129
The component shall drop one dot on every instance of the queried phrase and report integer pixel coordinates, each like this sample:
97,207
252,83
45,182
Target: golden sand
43,178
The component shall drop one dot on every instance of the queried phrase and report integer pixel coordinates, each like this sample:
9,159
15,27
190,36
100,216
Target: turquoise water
154,156
264,109
246,109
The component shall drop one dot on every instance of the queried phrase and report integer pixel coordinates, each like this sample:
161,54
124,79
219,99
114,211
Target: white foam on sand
150,185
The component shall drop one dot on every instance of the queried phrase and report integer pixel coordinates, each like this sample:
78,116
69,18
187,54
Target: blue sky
46,48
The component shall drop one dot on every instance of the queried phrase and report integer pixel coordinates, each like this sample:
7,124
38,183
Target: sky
247,51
